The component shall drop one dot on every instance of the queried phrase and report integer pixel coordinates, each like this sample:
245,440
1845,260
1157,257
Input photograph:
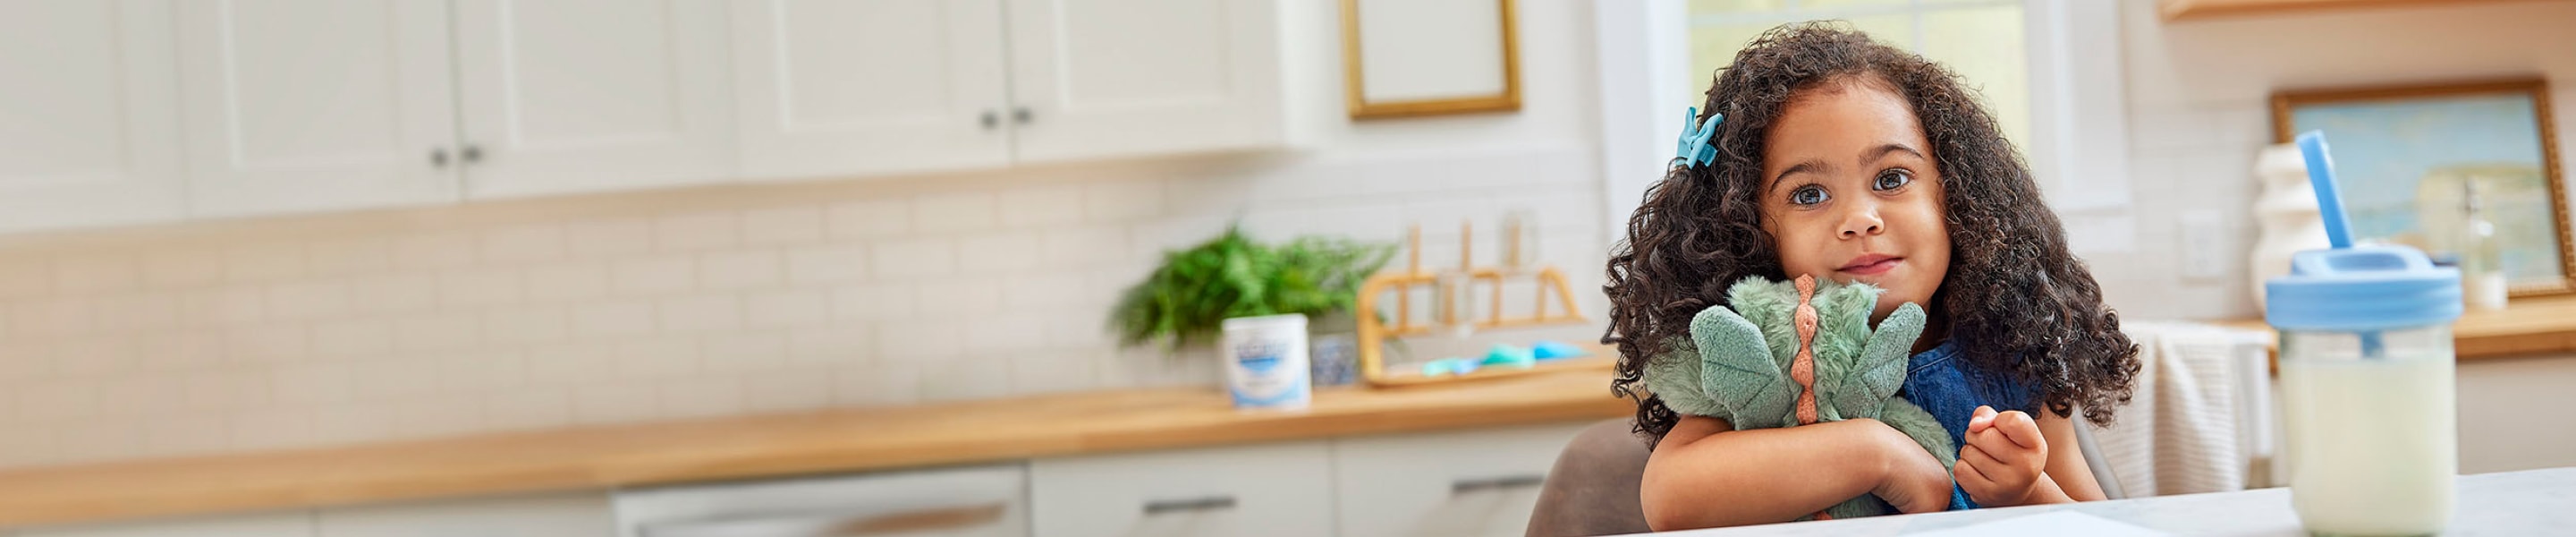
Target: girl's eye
1808,195
1892,180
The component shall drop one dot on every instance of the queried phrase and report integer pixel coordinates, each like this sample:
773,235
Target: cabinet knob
1021,115
991,119
470,154
438,158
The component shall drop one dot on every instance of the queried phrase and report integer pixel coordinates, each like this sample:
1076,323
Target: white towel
2196,422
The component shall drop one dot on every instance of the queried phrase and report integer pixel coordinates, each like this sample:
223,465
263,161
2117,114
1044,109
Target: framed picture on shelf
2407,156
1407,58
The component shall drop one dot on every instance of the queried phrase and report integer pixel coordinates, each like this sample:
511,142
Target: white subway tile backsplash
619,312
870,219
701,231
81,276
953,212
308,299
523,244
738,270
702,313
1040,205
344,257
429,251
782,225
596,239
632,317
439,331
787,308
993,253
263,262
914,258
651,276
1122,201
833,263
393,293
526,325
568,281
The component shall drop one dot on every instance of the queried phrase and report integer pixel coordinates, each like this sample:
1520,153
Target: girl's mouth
1871,265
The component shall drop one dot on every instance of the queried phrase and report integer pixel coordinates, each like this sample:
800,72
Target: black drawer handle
1464,486
1204,503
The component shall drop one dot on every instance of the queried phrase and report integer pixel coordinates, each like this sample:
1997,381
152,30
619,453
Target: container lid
2369,287
1297,320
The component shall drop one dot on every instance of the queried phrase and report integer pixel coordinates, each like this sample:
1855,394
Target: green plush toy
1791,354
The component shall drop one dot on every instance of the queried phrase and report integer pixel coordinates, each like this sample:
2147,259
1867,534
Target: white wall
2199,109
379,326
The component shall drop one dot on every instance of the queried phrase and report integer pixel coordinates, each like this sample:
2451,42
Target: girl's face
1851,193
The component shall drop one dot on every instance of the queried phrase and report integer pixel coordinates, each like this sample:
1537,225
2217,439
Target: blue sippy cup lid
2362,288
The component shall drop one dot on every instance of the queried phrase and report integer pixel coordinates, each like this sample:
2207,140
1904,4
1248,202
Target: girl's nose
1862,221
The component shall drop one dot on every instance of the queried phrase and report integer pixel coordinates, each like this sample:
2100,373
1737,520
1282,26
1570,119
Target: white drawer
1259,490
548,515
273,524
1480,482
984,501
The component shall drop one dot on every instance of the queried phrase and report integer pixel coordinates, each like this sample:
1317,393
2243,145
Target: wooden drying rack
1373,332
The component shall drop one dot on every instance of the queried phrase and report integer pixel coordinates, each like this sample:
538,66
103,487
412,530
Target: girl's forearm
1700,478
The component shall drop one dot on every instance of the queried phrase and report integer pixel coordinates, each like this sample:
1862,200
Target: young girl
1842,158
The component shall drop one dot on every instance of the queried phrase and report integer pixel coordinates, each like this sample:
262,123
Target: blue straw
2312,147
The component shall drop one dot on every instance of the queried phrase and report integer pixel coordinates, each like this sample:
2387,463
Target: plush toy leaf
1737,371
1880,370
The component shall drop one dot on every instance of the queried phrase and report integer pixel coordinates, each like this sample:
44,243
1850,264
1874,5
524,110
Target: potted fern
1188,298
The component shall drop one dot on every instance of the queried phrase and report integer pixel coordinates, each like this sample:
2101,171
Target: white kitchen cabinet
1110,78
274,524
1282,489
1470,483
983,501
551,515
303,105
834,88
567,96
89,120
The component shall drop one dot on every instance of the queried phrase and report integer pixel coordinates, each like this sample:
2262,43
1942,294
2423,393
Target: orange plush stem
1803,368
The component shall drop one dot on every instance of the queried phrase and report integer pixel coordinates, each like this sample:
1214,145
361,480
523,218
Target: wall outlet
2201,233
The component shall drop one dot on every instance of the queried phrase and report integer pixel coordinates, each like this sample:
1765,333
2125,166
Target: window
1981,40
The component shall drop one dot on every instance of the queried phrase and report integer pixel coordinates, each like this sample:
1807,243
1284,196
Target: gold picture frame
1357,89
2287,106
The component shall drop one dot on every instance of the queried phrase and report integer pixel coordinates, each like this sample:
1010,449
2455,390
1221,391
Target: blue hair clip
1695,148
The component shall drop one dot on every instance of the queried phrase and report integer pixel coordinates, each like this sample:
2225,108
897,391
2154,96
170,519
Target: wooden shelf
599,458
2528,325
2176,10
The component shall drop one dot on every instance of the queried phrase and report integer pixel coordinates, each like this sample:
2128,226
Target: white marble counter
2533,502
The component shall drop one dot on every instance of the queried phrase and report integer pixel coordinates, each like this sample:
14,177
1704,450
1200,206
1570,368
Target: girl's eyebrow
1875,153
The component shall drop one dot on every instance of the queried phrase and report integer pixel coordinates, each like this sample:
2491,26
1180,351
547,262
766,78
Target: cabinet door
577,514
89,120
1103,78
1271,489
304,105
1472,483
987,501
278,524
566,96
835,88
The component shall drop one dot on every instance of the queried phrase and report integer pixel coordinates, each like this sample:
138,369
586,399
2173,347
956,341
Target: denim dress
1946,385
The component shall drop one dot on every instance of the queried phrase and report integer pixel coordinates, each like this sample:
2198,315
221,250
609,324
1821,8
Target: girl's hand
2004,459
1910,479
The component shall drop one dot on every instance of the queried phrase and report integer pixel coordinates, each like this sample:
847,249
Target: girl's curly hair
2015,299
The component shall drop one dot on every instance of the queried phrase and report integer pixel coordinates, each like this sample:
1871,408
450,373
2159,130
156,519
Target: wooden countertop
777,445
2528,325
